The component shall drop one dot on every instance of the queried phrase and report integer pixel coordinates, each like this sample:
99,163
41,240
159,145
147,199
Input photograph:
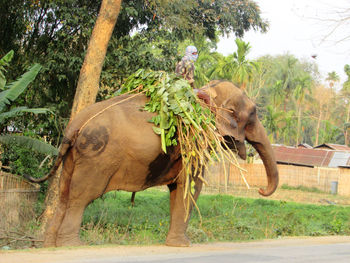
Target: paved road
299,250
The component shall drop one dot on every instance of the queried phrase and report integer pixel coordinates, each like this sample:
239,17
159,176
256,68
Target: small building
332,146
320,156
325,167
305,145
302,156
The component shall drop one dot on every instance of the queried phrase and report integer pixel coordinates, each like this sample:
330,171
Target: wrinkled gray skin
118,150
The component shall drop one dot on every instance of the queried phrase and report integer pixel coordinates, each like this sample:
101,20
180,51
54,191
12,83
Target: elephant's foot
69,242
177,241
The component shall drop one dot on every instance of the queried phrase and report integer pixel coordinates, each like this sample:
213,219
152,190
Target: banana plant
10,92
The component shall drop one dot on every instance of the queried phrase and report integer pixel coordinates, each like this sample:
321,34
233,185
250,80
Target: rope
114,104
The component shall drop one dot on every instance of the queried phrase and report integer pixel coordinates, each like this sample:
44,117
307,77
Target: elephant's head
237,121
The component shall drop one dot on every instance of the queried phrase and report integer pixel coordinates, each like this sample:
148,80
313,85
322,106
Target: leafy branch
181,120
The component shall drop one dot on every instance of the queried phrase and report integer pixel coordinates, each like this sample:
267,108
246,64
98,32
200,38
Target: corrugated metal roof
340,159
333,146
305,145
302,156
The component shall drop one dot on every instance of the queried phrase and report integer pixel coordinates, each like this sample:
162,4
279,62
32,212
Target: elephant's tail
65,146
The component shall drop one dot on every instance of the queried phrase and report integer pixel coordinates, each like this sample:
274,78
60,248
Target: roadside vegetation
112,219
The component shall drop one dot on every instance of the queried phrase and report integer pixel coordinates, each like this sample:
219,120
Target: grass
225,218
302,188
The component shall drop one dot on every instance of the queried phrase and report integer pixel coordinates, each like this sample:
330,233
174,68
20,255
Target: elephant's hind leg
86,186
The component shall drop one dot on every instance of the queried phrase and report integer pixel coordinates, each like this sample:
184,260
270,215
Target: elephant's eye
252,115
253,111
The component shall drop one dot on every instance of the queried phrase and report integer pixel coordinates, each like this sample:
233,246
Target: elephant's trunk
262,144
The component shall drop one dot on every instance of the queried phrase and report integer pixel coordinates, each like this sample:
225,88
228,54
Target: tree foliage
10,93
148,34
152,34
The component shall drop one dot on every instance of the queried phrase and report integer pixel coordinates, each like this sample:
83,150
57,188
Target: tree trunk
346,134
88,84
90,72
318,126
298,125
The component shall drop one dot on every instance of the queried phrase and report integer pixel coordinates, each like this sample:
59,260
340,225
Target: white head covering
189,53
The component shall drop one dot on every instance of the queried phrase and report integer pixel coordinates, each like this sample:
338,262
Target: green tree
242,68
303,86
345,93
55,34
10,92
277,93
219,68
234,67
323,98
271,122
332,78
288,132
330,132
287,74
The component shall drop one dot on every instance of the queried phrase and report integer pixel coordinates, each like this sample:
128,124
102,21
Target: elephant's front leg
178,221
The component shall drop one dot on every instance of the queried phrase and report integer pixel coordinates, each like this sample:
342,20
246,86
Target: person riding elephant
185,67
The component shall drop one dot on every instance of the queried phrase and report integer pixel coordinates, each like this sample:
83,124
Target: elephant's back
116,125
97,110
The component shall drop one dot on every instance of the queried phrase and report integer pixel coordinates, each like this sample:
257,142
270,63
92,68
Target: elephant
111,145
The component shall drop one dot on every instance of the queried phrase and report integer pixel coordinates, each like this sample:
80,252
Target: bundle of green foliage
181,120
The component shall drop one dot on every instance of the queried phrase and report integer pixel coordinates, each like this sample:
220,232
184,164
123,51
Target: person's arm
180,69
190,74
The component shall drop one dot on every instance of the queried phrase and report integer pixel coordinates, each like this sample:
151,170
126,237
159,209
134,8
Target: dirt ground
83,254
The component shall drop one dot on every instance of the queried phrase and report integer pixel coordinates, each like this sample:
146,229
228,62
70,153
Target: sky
301,28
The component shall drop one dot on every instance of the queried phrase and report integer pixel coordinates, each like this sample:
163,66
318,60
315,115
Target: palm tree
9,94
345,92
242,68
329,133
288,127
276,93
271,121
207,68
234,67
332,78
323,98
303,86
287,72
220,68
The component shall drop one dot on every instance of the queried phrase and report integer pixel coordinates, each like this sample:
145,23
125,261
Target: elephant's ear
208,96
226,122
204,96
212,93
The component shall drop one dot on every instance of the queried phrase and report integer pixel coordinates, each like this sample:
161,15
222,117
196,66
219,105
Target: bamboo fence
322,178
17,198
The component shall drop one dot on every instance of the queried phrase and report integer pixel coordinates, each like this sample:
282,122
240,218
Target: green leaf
157,130
31,143
17,87
20,110
2,81
4,61
193,184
